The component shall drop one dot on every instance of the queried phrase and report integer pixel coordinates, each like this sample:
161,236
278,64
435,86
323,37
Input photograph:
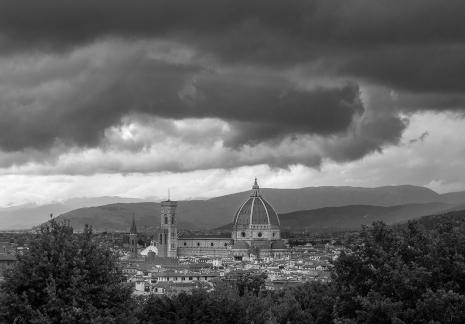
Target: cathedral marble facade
255,232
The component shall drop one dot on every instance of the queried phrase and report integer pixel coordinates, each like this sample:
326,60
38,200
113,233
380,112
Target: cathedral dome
256,211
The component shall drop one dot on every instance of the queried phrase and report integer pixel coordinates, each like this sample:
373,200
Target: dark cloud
380,126
413,45
414,68
261,106
354,22
237,62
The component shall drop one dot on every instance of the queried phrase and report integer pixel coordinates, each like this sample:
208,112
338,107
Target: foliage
391,275
65,278
404,274
396,275
242,303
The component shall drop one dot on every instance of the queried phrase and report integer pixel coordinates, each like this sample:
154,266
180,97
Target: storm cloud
76,109
416,45
312,80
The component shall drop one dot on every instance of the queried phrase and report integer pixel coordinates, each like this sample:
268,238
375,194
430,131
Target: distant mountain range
352,217
313,207
29,215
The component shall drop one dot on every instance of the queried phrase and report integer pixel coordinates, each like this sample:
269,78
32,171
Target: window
225,244
166,220
185,243
243,234
211,244
198,244
260,234
190,278
274,234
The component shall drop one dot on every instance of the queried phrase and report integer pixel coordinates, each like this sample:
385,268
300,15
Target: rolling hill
453,217
354,216
351,217
116,212
211,213
29,215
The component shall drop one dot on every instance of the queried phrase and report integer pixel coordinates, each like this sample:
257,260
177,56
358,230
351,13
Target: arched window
211,244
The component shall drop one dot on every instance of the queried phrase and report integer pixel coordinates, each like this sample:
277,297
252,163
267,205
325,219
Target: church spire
133,229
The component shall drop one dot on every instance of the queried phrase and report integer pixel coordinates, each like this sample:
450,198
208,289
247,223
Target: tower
168,238
133,238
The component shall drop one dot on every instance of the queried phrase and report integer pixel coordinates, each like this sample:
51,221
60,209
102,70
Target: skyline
132,98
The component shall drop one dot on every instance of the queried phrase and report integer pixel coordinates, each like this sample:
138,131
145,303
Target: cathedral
255,232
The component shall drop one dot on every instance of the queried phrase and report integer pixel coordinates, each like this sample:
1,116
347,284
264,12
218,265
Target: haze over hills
29,215
218,211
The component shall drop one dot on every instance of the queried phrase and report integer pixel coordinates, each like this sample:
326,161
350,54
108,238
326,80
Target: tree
65,278
403,275
250,283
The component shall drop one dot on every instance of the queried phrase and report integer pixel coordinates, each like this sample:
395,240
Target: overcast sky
130,97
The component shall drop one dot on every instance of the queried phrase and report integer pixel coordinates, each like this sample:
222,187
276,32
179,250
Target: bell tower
168,237
133,238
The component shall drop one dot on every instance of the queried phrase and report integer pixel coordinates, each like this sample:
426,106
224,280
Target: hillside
118,217
454,217
456,198
354,216
29,215
218,211
351,217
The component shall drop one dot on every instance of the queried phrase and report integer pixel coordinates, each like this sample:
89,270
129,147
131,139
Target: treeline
405,274
393,275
